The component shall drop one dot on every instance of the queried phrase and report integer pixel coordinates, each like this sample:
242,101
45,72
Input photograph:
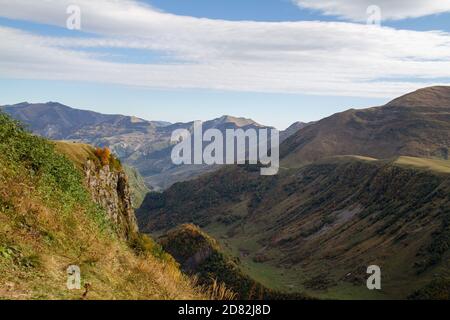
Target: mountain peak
238,121
437,96
25,103
292,129
31,105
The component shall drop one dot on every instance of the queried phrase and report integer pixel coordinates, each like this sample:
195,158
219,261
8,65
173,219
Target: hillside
137,184
316,228
202,255
416,125
55,213
434,97
144,145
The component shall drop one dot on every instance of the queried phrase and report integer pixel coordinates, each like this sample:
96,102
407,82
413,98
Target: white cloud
356,10
293,57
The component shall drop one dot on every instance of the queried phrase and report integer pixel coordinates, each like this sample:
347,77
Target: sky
275,61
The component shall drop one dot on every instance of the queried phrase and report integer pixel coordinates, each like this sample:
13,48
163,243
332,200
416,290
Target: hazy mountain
224,121
157,166
417,124
58,122
142,144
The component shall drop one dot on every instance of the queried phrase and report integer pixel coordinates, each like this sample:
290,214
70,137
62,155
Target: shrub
104,155
106,158
143,245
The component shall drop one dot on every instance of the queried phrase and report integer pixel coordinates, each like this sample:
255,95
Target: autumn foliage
104,155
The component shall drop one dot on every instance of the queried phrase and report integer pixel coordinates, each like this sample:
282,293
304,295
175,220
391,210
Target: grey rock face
110,189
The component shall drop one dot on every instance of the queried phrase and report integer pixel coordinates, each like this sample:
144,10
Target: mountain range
144,145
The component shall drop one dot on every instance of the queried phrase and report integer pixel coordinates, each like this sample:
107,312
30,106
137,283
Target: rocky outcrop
109,188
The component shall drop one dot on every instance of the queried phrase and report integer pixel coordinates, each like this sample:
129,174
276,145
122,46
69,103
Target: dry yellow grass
442,166
78,153
38,242
219,291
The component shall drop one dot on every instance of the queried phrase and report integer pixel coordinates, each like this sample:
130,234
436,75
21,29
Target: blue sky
276,61
280,10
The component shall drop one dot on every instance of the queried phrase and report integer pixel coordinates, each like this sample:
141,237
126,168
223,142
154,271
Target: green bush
59,182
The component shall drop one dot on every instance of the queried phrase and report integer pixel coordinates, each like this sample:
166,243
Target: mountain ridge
58,121
378,132
144,145
436,96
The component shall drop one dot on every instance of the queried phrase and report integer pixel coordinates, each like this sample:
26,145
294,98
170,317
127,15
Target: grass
288,279
273,275
49,222
436,165
78,153
346,158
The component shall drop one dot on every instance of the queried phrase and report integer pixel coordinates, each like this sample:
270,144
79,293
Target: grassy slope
436,165
48,222
308,228
202,255
78,153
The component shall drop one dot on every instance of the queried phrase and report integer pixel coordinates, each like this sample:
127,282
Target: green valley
317,228
359,188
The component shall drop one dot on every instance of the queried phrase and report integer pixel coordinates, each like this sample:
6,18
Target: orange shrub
103,155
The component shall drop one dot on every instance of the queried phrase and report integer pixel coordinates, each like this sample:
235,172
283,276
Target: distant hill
59,122
157,166
144,145
417,125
